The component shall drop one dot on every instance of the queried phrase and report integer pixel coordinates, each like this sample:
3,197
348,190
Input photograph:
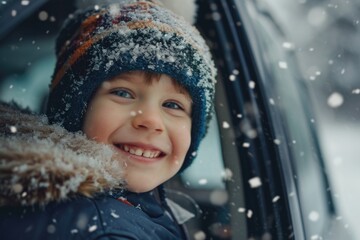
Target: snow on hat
99,43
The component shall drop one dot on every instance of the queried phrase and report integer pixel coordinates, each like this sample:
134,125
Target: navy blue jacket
103,217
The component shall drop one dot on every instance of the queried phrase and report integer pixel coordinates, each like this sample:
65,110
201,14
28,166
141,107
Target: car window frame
254,160
278,129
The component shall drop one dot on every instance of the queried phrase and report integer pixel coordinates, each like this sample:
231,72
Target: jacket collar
42,163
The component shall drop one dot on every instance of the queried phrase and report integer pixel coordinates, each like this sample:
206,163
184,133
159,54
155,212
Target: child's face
148,123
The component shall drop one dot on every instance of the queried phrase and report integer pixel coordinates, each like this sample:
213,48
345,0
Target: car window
308,170
29,88
212,187
291,95
325,42
207,171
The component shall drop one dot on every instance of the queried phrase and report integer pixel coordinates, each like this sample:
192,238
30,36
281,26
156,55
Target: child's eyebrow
186,94
124,76
129,77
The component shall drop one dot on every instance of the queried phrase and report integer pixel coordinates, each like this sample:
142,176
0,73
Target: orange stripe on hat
87,44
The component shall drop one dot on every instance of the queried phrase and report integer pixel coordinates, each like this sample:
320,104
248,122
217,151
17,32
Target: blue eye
172,105
122,93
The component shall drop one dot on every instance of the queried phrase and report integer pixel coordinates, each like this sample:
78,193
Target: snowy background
326,38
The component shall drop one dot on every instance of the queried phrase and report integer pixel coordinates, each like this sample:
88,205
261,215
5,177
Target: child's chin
140,189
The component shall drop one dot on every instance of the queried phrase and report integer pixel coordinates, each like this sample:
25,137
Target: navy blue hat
98,44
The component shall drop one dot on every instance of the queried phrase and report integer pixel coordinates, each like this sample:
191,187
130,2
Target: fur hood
41,163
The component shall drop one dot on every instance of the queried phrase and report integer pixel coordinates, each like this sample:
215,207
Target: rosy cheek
94,130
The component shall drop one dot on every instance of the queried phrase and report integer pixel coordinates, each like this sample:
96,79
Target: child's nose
149,119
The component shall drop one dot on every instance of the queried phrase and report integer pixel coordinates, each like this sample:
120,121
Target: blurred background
325,38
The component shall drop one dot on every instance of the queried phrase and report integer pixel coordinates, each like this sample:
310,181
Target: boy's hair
97,44
150,77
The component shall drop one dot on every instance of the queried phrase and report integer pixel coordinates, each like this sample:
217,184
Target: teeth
141,152
147,154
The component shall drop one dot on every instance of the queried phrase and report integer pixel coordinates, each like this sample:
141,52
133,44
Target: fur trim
41,163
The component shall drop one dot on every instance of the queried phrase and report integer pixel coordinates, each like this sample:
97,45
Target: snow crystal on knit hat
99,43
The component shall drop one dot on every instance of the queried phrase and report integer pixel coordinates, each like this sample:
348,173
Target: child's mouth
141,152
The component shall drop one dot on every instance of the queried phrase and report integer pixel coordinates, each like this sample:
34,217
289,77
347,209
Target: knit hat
99,43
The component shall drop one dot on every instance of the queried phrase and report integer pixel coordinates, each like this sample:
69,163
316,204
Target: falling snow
216,16
249,213
225,125
114,215
283,65
255,182
241,210
199,235
314,216
288,45
317,16
356,91
227,174
316,237
43,16
252,84
335,100
232,77
203,181
51,229
13,129
92,228
219,197
275,199
25,2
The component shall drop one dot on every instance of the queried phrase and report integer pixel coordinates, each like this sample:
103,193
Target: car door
275,180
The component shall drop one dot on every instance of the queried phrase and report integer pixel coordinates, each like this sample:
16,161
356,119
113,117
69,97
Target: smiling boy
130,100
147,118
